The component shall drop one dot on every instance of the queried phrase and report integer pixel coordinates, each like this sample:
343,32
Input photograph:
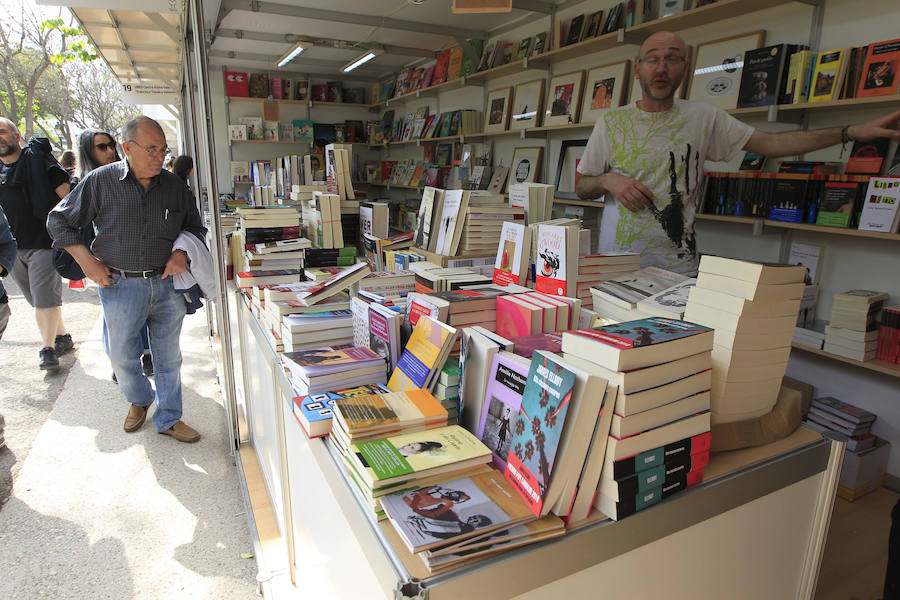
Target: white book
881,210
511,264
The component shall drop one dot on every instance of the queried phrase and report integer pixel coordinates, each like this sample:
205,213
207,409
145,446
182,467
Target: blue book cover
538,427
643,332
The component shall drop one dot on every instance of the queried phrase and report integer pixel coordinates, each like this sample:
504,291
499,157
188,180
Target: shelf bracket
811,2
624,36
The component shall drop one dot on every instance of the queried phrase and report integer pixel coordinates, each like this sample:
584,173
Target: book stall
451,392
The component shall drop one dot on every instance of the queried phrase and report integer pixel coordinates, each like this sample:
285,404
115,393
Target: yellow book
423,356
828,75
378,415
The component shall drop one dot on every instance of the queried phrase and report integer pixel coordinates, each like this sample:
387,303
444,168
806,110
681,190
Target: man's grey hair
10,124
130,129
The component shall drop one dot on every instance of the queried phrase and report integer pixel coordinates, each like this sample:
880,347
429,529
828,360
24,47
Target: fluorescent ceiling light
291,54
361,60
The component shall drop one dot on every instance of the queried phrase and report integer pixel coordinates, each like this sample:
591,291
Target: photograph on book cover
527,105
526,164
564,98
570,152
605,88
718,68
498,102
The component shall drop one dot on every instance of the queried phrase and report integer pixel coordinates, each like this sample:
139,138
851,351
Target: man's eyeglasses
104,146
670,61
152,150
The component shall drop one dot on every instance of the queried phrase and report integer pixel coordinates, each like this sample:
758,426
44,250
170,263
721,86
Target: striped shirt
135,227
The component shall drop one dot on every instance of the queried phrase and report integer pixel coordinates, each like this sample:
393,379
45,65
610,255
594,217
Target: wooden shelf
803,227
564,127
874,102
266,142
597,44
704,15
879,366
510,68
306,102
502,133
586,203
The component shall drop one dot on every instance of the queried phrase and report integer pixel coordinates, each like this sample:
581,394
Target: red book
440,67
236,84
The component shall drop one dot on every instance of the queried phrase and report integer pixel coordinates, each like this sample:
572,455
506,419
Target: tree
29,47
96,97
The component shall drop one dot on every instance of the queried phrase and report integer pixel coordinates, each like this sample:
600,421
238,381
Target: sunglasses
104,146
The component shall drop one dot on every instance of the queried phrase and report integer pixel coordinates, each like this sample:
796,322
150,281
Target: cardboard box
863,472
779,423
806,390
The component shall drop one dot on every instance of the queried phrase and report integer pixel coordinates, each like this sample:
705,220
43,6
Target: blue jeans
129,303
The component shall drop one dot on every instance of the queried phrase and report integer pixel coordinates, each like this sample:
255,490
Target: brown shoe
136,417
182,433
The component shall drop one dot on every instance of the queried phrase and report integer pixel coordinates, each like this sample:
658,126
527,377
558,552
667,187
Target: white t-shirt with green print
666,152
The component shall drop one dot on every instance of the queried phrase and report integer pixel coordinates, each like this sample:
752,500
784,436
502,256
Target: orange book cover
879,74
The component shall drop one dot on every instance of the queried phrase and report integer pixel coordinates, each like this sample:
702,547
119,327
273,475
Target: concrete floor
99,513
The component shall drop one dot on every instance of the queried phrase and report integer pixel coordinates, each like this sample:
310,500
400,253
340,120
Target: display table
754,528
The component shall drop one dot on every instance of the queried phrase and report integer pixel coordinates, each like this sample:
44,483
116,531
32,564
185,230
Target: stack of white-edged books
662,372
852,331
321,370
753,308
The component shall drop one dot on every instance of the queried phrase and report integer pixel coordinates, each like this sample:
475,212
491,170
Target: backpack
65,264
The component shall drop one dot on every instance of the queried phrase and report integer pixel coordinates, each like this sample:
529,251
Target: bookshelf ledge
879,366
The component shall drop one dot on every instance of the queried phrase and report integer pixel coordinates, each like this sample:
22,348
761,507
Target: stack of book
483,225
889,335
460,308
466,519
811,336
831,414
411,460
318,370
593,269
400,260
302,194
264,225
662,372
852,331
280,301
392,285
283,254
446,390
330,257
377,326
322,221
432,278
536,199
533,313
618,297
338,160
314,411
301,331
753,308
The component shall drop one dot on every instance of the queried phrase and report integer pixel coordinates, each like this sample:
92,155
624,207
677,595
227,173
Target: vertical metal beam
206,145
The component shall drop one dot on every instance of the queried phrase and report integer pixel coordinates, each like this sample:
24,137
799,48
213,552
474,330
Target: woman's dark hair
86,160
67,159
183,166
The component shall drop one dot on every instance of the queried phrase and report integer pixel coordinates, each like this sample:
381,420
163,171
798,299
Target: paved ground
98,513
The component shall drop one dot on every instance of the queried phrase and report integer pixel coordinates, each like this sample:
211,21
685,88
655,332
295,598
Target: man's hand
176,264
633,194
95,270
887,126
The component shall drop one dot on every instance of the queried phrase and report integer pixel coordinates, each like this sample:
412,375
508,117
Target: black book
753,161
670,452
575,26
614,19
761,76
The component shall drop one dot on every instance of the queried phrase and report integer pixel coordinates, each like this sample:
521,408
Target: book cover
761,76
502,401
254,127
538,428
314,411
440,67
237,133
379,414
510,265
880,209
384,333
551,260
303,130
878,76
447,513
517,318
867,158
334,284
237,85
407,456
422,236
826,76
671,302
429,341
450,223
837,203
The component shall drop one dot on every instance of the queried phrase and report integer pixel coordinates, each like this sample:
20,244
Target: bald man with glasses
138,211
646,159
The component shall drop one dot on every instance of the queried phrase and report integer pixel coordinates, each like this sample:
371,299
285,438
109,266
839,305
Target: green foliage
78,49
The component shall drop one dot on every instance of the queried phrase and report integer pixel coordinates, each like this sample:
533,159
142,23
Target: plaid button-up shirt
135,227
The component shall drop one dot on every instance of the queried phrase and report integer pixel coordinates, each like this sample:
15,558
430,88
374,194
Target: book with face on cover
502,400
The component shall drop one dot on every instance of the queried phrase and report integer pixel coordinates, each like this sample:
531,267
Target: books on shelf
881,209
828,74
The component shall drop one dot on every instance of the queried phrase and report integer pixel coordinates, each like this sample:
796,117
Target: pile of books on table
658,439
831,414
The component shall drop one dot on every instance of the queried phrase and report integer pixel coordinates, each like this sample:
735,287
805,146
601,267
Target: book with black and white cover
671,302
422,237
450,223
625,291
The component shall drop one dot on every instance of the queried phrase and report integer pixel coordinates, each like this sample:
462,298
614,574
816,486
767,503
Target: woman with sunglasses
95,149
